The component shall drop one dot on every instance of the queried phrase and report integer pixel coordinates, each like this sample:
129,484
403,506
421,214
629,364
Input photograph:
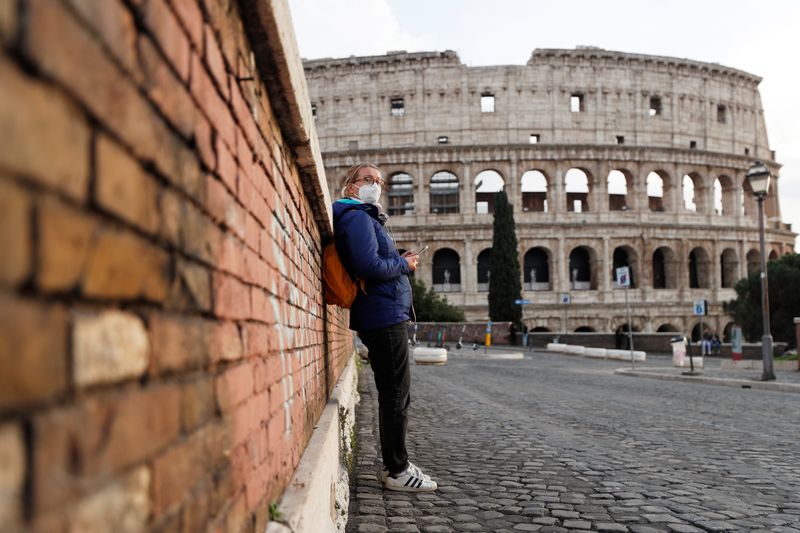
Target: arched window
727,332
537,269
484,264
666,328
693,192
487,183
753,261
624,256
534,191
729,265
724,195
444,193
655,192
580,269
401,194
576,183
584,329
446,271
617,191
773,256
698,269
665,275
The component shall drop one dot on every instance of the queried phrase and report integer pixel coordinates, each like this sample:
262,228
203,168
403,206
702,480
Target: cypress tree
504,276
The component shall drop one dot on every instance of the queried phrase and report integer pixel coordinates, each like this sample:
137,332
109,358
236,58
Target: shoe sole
410,489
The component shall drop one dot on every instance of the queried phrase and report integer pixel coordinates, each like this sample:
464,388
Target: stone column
598,189
422,201
604,269
514,196
557,197
467,193
561,283
469,271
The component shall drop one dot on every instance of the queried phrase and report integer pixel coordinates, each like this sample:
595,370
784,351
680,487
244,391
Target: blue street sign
522,302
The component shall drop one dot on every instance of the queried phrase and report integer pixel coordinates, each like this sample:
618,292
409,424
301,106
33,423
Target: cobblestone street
553,443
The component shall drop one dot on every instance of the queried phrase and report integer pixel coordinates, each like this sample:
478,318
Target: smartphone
420,251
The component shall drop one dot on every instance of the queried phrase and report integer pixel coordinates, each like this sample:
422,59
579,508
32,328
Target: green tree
430,307
504,278
784,300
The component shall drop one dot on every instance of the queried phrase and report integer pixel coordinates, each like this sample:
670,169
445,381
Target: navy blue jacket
368,253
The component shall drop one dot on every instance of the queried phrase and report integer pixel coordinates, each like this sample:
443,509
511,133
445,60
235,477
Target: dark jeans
388,357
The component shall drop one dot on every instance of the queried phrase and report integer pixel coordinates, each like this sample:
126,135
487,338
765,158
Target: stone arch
748,200
753,261
578,186
665,268
699,272
584,329
724,195
446,270
625,256
534,185
727,331
658,188
582,275
693,192
729,268
484,264
487,183
540,329
618,182
773,256
667,328
401,194
444,189
697,333
537,263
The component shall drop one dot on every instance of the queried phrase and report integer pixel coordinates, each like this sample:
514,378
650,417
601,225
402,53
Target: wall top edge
539,56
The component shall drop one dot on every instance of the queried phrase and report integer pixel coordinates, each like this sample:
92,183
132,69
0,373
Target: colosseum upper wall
609,159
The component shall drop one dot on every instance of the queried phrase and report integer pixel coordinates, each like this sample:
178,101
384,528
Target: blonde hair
352,173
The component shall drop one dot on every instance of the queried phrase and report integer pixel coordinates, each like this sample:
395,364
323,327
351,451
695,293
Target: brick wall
164,347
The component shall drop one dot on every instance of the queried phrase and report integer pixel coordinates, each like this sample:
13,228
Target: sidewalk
659,367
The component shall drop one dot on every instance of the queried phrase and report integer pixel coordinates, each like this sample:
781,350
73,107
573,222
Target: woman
379,314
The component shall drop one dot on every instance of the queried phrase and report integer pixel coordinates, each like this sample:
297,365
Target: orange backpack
340,289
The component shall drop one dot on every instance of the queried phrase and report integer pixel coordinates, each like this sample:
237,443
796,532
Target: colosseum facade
608,158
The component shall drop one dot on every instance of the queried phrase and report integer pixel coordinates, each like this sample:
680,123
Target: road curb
724,382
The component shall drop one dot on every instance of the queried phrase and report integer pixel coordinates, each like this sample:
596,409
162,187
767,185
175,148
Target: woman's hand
412,259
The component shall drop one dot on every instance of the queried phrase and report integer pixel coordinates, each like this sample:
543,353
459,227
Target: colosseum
609,159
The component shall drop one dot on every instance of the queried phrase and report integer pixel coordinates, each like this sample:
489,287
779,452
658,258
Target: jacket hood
340,207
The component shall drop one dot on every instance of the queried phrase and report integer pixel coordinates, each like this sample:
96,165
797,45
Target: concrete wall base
318,496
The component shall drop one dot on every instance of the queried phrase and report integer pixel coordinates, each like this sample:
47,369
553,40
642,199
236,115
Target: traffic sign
565,298
623,277
522,302
699,308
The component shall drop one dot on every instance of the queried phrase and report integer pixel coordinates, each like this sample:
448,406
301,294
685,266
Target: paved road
555,443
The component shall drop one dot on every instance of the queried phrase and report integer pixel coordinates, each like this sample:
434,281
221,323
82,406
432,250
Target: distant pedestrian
715,344
525,335
705,347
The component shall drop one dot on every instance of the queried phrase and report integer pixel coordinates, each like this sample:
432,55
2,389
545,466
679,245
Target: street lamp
759,175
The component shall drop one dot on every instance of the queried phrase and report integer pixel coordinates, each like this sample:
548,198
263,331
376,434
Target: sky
761,38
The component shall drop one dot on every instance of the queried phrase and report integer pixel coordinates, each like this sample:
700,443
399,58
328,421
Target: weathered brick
100,437
160,20
211,102
215,62
246,418
61,48
226,165
122,265
257,338
196,513
226,342
112,21
199,236
234,386
166,90
15,233
179,343
176,471
124,188
123,506
197,403
33,116
9,21
223,207
190,16
192,287
65,236
34,363
204,139
268,371
12,475
108,347
231,297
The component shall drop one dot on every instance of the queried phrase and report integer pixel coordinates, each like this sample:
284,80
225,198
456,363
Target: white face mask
369,194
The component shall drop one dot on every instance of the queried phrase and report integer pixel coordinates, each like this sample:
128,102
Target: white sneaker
414,469
412,479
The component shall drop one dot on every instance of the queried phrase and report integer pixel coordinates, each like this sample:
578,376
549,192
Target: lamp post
759,175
